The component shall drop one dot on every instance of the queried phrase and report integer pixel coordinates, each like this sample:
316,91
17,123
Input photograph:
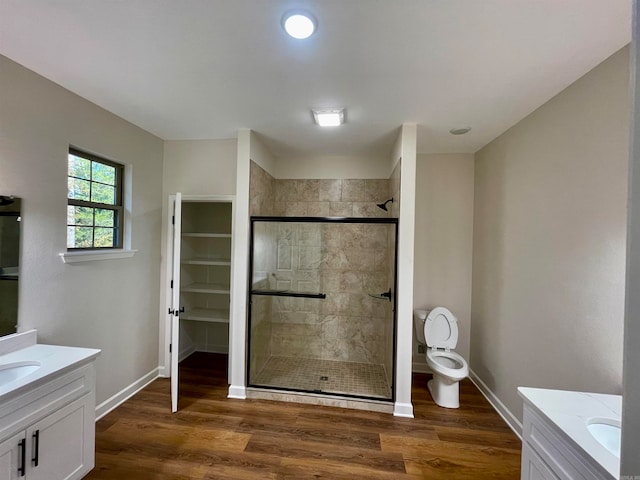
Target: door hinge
171,283
173,220
170,348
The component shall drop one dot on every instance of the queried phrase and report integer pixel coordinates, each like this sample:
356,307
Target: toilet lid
441,329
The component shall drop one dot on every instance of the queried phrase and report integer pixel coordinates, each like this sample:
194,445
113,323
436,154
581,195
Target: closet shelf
206,261
206,288
206,315
206,235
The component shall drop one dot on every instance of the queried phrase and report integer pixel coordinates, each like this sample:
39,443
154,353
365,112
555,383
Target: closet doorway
199,279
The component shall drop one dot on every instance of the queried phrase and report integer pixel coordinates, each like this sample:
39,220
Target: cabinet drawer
24,408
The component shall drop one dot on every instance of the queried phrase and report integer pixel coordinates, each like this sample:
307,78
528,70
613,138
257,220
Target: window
94,210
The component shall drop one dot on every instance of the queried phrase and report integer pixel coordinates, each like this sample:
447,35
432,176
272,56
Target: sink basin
607,432
10,372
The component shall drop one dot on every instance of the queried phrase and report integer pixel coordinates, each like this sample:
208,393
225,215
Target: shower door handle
287,293
386,295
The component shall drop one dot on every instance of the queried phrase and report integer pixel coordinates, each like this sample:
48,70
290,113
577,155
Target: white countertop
571,411
53,359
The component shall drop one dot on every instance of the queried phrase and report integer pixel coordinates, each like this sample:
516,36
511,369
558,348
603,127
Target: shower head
383,206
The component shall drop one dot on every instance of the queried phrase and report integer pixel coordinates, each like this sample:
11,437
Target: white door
13,457
174,311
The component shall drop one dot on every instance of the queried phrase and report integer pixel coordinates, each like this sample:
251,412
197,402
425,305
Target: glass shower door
322,305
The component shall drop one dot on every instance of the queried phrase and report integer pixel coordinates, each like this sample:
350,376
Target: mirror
9,263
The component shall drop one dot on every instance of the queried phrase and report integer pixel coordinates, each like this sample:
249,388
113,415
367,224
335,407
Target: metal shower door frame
331,220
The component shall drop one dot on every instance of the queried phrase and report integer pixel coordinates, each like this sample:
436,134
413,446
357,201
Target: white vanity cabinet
52,448
47,427
548,456
556,444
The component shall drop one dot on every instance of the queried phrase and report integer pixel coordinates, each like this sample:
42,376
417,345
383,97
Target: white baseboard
125,394
186,352
163,371
236,391
403,410
497,405
213,348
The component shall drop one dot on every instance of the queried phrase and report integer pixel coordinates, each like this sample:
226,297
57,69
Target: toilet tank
419,317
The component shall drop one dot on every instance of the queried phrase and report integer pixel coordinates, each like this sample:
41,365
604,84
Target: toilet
438,330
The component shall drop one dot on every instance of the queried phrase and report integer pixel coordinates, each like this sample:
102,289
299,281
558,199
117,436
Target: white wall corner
403,410
259,153
238,392
126,393
240,265
497,405
406,229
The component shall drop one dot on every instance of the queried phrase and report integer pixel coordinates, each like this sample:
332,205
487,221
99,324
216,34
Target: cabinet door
11,452
533,467
175,301
61,446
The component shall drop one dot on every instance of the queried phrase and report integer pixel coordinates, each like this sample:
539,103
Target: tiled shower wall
346,261
330,198
261,200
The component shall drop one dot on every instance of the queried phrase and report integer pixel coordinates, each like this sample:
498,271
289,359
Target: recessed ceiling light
328,117
460,131
299,24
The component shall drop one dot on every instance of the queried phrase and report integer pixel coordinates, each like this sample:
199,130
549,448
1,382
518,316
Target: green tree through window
94,210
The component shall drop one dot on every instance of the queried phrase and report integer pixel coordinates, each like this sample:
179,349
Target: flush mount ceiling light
460,131
299,24
328,117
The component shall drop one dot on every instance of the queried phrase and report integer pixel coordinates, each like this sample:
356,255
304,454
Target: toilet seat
438,360
441,329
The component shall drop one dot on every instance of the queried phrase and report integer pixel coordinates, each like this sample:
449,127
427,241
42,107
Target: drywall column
629,459
404,341
240,254
193,167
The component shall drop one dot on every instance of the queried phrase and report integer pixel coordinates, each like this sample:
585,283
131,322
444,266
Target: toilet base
445,394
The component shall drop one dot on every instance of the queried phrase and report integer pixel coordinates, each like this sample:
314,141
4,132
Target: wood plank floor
212,437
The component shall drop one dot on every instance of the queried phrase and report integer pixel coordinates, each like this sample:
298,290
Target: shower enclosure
322,305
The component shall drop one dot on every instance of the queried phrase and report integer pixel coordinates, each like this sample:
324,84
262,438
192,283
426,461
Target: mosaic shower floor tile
325,376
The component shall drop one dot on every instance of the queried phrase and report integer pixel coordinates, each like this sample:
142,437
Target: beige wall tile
318,209
330,190
341,209
376,190
353,191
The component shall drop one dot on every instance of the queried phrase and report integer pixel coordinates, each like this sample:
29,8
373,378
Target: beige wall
443,241
109,304
200,167
549,243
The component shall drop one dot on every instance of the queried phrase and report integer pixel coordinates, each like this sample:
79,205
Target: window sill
93,255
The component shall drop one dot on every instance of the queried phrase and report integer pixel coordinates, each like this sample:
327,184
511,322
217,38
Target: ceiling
201,69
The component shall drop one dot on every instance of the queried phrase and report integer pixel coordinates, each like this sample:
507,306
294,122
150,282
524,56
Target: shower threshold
330,377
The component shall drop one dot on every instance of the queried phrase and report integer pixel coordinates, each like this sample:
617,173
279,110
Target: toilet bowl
438,330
